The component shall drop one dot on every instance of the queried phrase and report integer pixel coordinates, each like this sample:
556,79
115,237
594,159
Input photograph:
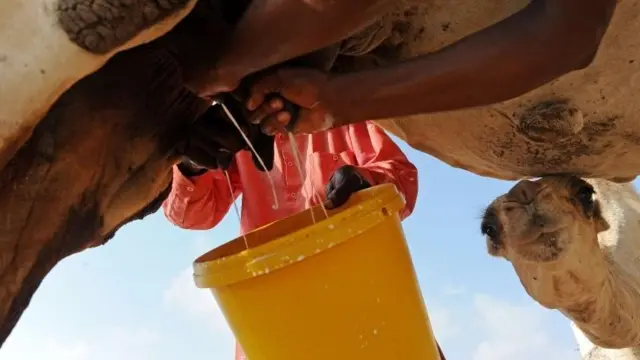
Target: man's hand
344,182
303,87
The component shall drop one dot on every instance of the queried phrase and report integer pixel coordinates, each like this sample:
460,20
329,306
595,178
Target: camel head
548,229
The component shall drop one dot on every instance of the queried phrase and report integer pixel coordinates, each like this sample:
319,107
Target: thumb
329,203
338,196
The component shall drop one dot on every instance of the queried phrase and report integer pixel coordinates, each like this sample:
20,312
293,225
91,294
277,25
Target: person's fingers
265,110
328,204
338,196
260,89
275,123
255,100
343,182
328,190
307,122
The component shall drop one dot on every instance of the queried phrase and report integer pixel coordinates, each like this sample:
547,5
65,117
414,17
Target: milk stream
235,207
298,163
296,157
264,167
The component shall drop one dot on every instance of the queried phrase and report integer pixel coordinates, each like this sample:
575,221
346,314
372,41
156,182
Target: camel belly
583,123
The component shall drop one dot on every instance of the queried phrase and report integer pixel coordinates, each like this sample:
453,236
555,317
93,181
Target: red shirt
201,202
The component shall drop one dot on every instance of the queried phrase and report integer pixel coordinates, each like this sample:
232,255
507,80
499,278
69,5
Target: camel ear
600,222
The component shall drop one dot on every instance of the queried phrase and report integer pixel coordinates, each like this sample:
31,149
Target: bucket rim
232,262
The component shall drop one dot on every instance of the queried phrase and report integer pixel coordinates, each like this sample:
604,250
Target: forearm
506,60
273,31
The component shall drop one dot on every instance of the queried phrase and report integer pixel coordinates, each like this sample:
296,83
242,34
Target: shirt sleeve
201,202
381,161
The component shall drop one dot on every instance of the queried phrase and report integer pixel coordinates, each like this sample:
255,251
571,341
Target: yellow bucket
343,288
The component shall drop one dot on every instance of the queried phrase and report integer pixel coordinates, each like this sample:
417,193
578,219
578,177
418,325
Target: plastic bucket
343,288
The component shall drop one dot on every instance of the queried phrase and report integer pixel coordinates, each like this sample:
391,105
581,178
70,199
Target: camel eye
585,197
489,231
489,225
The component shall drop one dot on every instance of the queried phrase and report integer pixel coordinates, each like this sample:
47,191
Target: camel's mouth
539,246
546,247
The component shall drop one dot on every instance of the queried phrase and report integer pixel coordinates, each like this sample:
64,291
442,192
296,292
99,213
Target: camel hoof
550,121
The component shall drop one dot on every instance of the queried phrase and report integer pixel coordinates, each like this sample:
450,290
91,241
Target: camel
96,102
574,244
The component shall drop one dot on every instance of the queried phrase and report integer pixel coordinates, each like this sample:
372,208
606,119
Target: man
337,163
543,41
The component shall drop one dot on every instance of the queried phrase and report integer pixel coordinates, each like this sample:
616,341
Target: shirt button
335,157
293,195
190,189
289,163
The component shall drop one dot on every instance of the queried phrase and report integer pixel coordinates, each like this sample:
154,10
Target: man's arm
545,40
273,31
381,161
540,43
201,202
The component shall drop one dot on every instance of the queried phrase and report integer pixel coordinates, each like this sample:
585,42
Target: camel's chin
547,247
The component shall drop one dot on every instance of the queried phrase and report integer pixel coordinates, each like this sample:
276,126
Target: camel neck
608,314
608,311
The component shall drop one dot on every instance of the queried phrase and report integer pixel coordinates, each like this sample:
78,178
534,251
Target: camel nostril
524,192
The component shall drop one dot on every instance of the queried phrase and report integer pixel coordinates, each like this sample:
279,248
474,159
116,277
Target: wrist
335,96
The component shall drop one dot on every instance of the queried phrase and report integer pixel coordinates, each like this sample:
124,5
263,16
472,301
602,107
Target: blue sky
134,299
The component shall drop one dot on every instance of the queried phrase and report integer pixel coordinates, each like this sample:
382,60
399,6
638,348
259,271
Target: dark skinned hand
344,182
305,87
213,140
